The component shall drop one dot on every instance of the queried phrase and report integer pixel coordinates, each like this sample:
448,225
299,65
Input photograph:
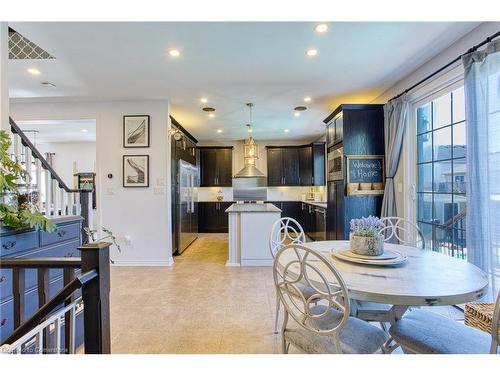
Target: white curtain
396,113
482,103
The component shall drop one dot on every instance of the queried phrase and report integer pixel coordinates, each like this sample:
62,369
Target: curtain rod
474,48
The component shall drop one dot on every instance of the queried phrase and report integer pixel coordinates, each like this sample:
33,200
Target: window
441,173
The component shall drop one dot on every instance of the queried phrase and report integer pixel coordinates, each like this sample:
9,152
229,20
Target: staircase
85,286
43,185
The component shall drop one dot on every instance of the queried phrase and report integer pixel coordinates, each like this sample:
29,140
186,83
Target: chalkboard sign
365,174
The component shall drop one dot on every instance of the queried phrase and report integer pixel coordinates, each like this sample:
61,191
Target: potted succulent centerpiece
365,237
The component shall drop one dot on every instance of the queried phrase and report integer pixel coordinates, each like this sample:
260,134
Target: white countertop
253,207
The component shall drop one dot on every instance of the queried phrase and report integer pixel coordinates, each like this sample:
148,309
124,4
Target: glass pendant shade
251,152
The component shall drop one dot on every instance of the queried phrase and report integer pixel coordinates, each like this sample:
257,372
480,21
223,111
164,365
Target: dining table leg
396,313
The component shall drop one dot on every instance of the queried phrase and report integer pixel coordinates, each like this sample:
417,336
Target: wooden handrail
51,305
40,262
45,164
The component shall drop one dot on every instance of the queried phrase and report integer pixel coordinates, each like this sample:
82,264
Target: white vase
367,245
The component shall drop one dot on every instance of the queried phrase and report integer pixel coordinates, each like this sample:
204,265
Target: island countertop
252,207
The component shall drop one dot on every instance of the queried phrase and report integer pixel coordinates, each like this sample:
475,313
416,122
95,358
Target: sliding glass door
441,172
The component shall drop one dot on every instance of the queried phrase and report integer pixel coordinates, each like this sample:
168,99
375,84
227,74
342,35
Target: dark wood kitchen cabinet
355,130
216,166
283,167
212,217
296,165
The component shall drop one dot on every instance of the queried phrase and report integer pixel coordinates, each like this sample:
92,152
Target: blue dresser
35,244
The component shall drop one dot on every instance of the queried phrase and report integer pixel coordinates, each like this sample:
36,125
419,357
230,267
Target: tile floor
197,306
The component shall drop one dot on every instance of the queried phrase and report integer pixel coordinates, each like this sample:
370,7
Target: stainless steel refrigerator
186,205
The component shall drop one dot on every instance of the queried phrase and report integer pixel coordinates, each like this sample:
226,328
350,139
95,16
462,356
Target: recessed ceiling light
211,115
34,71
286,130
321,28
300,108
311,52
84,130
174,52
307,99
204,100
219,131
208,109
296,114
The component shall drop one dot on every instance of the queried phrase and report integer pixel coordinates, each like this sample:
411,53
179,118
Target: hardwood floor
198,305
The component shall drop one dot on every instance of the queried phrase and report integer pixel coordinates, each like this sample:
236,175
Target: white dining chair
283,232
424,332
395,230
326,326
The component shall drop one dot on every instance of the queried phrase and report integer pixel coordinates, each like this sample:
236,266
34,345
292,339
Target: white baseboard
144,263
230,264
256,262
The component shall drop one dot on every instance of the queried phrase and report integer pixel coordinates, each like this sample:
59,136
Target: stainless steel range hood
249,171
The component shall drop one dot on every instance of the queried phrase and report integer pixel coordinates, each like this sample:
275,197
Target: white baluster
17,150
70,203
55,188
72,336
62,199
77,203
38,164
48,193
27,158
57,335
39,342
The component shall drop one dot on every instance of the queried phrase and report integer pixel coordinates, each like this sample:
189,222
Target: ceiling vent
21,48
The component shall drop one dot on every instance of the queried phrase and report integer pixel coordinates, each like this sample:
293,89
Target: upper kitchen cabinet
359,127
283,167
296,165
318,164
216,166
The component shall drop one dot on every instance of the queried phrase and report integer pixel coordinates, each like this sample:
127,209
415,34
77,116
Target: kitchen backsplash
282,193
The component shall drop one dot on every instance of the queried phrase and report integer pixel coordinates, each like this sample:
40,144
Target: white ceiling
231,64
60,131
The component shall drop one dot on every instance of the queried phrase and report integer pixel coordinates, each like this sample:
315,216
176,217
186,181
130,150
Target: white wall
403,190
65,154
141,215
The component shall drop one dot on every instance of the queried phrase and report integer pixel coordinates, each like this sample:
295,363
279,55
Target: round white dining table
426,278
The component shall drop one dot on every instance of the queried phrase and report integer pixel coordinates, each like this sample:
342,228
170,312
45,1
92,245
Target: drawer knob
61,233
3,322
9,245
2,279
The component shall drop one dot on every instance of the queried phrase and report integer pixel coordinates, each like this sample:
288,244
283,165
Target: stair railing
33,335
53,196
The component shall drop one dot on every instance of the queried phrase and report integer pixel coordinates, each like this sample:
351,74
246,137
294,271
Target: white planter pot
367,245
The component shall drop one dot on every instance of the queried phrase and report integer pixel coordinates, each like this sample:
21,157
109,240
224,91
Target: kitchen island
249,229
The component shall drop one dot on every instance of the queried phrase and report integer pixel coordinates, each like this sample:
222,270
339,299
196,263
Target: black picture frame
126,178
128,130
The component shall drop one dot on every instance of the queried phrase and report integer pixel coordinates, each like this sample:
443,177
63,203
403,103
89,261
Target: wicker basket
479,315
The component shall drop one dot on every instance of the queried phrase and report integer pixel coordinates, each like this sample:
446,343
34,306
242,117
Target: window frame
448,82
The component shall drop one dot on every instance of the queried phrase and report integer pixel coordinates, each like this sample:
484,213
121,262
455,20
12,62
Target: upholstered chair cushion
422,331
356,337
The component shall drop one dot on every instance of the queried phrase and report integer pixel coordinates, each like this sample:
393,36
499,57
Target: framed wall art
135,170
136,131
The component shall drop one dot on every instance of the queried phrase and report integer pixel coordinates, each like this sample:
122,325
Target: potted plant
18,209
365,237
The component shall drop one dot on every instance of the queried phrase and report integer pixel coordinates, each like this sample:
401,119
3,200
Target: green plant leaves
10,173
